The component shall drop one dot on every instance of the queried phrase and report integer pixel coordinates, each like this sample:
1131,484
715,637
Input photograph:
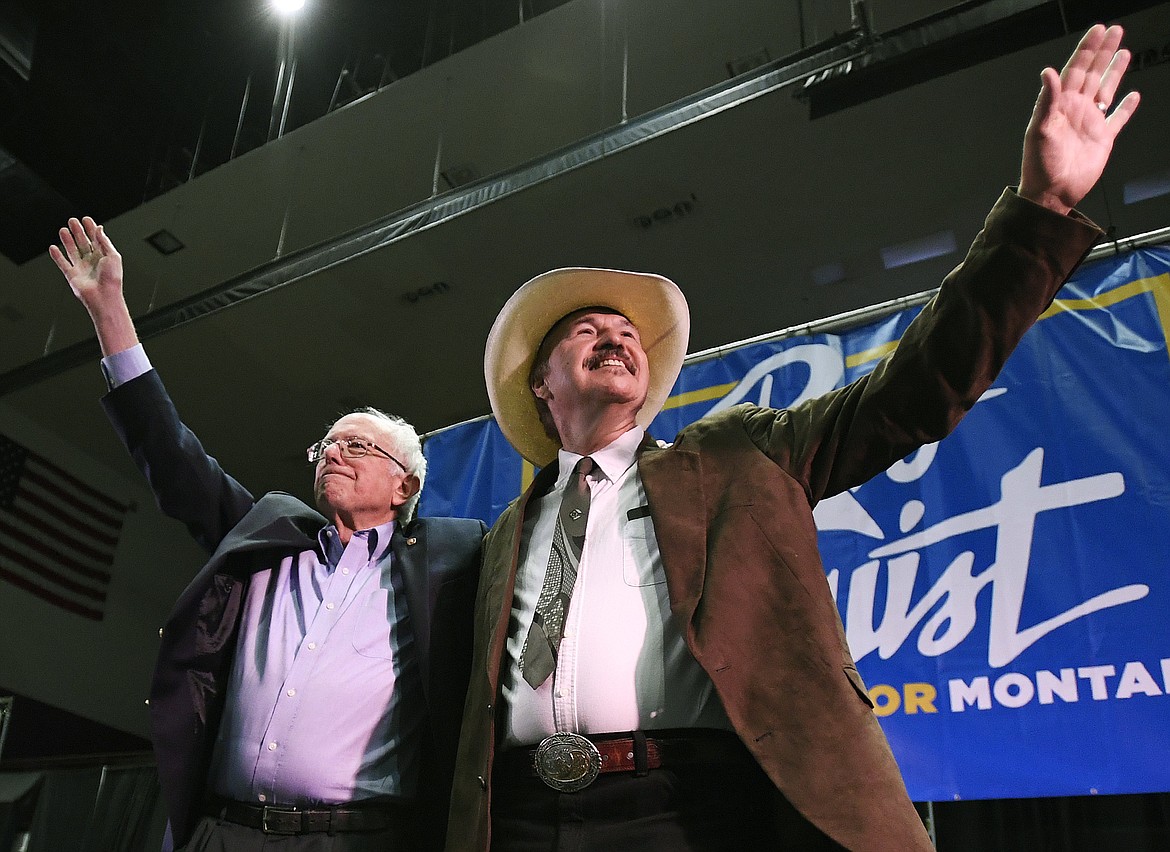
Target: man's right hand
92,266
89,262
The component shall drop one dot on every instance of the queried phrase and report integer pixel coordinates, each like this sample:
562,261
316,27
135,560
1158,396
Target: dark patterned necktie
539,657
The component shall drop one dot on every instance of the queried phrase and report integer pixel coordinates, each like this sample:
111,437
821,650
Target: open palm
88,260
1072,130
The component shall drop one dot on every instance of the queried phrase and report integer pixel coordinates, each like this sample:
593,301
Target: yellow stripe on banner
1105,300
701,395
1160,287
875,354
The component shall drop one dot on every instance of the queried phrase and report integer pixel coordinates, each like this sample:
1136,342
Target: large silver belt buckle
567,762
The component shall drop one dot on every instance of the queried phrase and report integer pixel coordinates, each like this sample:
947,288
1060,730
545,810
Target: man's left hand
1070,136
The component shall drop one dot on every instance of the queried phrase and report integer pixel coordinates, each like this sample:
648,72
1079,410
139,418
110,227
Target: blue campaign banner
1005,592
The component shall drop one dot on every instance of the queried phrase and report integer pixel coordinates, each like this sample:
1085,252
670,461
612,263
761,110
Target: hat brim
654,304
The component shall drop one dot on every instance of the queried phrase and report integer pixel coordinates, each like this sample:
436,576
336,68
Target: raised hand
1070,136
89,262
93,268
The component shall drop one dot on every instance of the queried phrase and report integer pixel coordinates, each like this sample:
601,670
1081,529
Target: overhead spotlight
288,7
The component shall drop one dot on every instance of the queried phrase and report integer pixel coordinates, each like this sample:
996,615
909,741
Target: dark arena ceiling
330,213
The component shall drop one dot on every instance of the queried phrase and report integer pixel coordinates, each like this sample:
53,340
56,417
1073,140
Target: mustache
597,360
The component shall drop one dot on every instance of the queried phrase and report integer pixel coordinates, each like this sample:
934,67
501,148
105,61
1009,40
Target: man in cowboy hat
659,662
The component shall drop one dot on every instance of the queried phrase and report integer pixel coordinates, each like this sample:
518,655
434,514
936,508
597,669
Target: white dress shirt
622,664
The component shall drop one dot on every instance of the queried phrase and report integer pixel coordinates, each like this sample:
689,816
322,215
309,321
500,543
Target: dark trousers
215,835
724,808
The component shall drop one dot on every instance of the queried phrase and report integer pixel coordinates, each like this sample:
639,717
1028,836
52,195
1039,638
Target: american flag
57,534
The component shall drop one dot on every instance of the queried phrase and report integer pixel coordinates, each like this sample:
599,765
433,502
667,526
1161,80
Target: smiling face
360,493
592,360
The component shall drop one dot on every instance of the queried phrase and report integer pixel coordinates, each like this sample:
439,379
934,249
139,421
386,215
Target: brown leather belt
570,762
273,819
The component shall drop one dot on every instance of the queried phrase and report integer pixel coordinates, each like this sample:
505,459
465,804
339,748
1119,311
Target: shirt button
272,746
312,646
262,797
329,605
291,693
344,570
560,693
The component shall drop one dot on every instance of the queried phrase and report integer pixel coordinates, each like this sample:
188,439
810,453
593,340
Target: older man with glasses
310,680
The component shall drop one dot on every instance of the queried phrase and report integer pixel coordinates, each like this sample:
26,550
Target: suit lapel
409,548
277,522
674,490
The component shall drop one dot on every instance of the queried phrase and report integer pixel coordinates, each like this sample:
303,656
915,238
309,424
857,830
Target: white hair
407,449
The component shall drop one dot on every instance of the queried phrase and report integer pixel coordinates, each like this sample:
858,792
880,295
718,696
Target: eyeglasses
351,448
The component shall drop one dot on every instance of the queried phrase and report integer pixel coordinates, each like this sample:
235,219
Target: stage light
915,251
288,7
1150,186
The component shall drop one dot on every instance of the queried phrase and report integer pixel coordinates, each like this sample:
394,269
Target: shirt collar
377,541
613,459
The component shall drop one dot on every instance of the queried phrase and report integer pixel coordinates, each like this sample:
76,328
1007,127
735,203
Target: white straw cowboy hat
652,303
